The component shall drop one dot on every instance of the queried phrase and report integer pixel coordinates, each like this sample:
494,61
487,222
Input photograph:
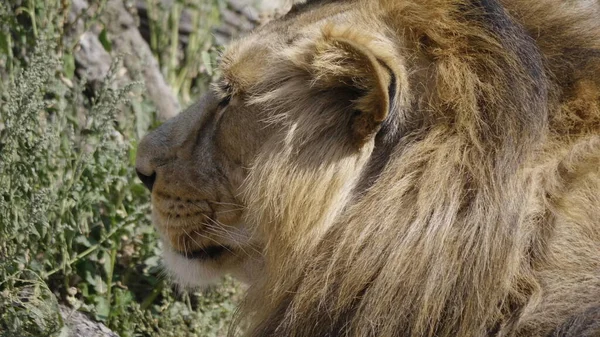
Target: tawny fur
467,203
475,226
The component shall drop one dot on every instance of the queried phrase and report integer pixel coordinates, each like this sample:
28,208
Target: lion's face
194,165
290,125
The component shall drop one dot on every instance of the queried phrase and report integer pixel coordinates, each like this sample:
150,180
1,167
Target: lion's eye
225,101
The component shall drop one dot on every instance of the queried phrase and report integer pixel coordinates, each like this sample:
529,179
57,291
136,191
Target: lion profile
396,168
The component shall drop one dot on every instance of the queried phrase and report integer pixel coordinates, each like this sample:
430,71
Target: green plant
74,220
189,70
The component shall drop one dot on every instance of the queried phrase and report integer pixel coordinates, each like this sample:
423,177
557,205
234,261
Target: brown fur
412,168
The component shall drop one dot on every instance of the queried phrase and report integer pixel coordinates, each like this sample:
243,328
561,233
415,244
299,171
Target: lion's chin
191,272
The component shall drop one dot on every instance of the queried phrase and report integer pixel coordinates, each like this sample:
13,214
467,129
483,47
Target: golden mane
395,168
482,218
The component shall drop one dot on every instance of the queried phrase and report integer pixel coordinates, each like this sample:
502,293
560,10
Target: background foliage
74,220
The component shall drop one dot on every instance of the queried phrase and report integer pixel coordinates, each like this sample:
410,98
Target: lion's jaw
195,272
233,255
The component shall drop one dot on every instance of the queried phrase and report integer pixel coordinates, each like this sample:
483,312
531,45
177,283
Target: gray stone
79,325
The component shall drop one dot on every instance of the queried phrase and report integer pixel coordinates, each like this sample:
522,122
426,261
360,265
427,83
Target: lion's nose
173,140
148,181
150,155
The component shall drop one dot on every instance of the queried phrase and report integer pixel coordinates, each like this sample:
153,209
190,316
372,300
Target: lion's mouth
207,253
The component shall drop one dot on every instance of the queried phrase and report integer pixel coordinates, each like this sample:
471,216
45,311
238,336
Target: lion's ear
346,64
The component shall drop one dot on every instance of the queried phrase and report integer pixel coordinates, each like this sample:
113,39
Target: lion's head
291,125
394,168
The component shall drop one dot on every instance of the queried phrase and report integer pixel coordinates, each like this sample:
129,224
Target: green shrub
74,219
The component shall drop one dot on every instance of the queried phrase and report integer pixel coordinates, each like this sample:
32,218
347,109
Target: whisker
238,245
222,230
226,204
168,219
231,235
221,226
215,241
214,202
228,235
230,210
196,242
216,223
182,244
240,208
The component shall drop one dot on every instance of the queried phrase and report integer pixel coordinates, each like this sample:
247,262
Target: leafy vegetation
74,220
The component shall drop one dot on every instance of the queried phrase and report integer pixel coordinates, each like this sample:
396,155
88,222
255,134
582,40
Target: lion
395,168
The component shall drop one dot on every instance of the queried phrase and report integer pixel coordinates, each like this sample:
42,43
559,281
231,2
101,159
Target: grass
74,220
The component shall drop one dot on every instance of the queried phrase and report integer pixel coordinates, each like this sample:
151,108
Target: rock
137,56
79,325
93,61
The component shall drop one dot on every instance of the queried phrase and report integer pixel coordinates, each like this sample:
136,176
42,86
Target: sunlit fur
466,204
